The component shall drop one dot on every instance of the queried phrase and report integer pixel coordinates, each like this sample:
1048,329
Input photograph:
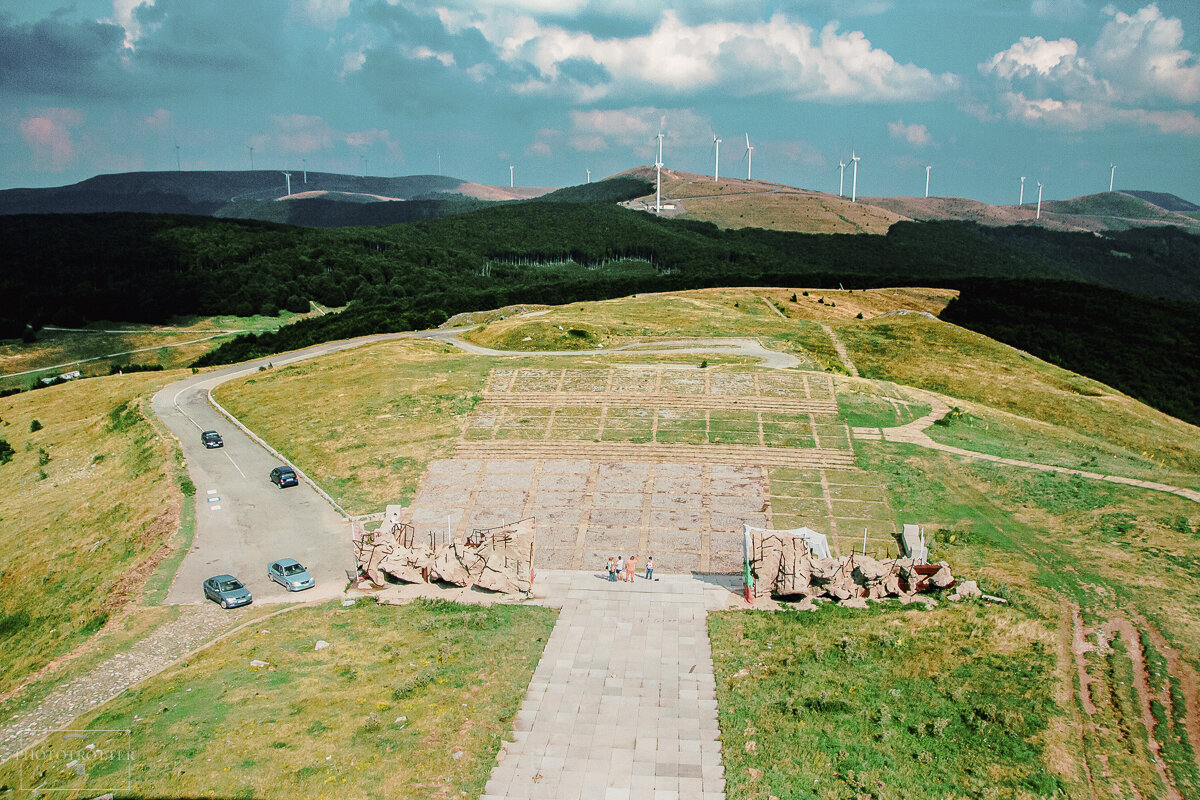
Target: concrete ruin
498,559
781,564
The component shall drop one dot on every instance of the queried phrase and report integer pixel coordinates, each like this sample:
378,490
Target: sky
983,91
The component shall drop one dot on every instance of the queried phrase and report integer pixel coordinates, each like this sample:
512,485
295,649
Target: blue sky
984,90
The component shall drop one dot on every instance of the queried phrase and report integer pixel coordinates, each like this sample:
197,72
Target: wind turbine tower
1021,202
1112,175
288,176
510,176
589,172
1039,207
717,162
928,167
854,159
658,165
749,157
178,165
304,163
841,178
251,157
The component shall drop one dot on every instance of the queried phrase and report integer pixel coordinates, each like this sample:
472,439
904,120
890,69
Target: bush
859,315
6,452
35,426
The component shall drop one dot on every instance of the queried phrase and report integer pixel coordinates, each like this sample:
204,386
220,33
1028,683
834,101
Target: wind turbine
251,157
928,167
841,178
178,165
288,176
854,159
510,176
1039,207
749,157
304,163
717,162
1021,202
589,172
1112,175
658,165
439,157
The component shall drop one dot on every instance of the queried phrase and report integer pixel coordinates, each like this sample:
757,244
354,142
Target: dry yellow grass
87,506
740,203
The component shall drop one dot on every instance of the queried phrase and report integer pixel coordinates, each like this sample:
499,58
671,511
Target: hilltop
743,203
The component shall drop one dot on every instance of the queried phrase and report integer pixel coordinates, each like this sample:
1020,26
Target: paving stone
620,686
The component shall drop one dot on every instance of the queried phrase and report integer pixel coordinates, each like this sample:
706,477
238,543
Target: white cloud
636,129
1142,55
323,13
1057,9
913,134
125,16
48,134
1136,73
777,56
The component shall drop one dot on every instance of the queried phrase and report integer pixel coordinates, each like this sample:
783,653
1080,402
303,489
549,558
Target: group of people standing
624,569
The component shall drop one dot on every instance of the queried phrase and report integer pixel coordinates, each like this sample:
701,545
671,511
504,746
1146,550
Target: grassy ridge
86,505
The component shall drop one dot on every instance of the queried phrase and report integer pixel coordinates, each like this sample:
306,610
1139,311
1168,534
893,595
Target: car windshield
211,435
230,586
292,569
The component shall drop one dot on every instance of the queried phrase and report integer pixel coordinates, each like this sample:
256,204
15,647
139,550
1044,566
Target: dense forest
1149,349
71,269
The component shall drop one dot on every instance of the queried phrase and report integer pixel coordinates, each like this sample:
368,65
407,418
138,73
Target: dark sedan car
284,477
228,591
212,439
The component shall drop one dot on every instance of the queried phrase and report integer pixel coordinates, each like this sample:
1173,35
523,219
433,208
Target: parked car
290,574
284,477
212,439
228,591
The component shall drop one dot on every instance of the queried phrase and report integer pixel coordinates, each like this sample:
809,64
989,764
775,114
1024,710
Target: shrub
794,296
6,452
579,333
35,426
859,315
43,457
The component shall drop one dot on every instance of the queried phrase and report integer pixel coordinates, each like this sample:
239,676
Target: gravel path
843,354
914,433
196,626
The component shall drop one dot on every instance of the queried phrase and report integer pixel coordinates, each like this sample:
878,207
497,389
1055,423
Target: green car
228,591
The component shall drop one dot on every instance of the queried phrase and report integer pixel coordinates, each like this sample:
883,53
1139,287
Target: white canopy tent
817,543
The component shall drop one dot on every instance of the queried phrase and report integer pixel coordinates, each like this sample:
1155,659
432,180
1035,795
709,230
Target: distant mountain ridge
337,200
213,193
1163,200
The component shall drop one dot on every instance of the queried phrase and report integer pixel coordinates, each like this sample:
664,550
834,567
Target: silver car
290,574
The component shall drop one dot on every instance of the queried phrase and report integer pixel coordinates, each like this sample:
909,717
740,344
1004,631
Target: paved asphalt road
244,522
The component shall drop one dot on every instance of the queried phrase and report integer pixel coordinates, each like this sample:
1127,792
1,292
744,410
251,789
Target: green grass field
888,703
408,701
88,503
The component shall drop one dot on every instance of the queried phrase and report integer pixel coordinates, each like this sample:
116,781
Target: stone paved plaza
623,702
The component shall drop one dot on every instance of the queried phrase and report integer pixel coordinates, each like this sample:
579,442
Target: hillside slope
741,203
1096,212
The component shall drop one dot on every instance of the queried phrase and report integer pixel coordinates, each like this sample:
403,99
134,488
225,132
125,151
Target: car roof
286,562
219,578
284,468
206,433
